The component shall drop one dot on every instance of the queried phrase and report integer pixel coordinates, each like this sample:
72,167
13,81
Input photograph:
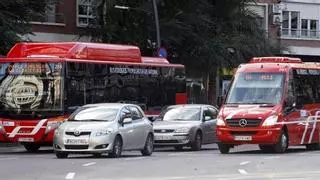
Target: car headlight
52,125
270,121
104,132
220,122
182,130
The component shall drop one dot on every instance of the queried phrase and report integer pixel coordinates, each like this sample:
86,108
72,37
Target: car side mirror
127,120
207,118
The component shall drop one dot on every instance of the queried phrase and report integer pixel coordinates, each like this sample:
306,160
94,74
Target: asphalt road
244,162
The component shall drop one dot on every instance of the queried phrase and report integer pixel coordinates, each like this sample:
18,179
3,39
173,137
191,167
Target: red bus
42,83
273,102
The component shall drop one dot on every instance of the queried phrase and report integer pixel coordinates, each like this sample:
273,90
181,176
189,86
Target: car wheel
266,148
178,148
117,148
31,147
224,148
282,144
61,155
196,144
148,147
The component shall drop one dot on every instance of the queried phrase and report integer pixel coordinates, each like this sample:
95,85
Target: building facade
299,27
63,22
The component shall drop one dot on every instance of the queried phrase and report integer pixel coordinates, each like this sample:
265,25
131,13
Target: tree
204,34
15,17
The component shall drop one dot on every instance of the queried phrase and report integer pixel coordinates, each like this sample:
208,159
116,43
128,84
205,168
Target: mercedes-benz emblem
243,122
77,133
163,130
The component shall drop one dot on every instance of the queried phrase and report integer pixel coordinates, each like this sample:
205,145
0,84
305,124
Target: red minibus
42,83
273,102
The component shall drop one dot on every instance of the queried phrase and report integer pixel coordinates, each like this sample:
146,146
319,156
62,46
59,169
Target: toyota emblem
77,133
243,122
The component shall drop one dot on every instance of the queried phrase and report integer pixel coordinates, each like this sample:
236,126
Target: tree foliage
15,17
202,34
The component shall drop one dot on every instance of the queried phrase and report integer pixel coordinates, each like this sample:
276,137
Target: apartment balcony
303,34
50,19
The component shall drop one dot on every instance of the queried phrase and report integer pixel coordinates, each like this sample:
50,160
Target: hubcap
284,141
149,144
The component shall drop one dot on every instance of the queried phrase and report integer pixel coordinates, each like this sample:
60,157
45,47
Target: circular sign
162,52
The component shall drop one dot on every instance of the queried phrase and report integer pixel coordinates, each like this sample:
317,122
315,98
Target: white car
104,128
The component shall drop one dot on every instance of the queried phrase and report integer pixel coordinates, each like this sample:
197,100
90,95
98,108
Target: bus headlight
270,121
220,122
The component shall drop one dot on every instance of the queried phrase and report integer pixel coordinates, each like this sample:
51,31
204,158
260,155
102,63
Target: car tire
178,148
282,145
224,148
196,144
148,147
61,155
31,147
266,148
117,148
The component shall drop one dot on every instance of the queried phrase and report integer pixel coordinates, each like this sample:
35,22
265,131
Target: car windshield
180,114
94,113
256,88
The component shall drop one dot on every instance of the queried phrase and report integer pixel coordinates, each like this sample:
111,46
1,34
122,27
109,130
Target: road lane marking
244,163
242,171
89,164
272,157
135,158
70,175
8,158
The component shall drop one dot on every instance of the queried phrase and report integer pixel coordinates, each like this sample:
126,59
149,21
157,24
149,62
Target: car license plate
162,138
77,141
243,138
26,139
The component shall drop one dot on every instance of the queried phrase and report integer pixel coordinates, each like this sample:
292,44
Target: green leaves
15,17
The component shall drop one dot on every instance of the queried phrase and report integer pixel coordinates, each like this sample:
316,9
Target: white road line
8,158
242,171
88,164
244,163
272,157
70,175
135,158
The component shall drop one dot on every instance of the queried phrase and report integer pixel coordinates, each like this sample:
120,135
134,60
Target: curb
2,144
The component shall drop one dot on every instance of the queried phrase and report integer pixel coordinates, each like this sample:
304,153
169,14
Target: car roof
114,105
190,105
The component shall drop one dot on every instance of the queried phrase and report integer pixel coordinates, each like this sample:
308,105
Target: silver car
104,128
186,125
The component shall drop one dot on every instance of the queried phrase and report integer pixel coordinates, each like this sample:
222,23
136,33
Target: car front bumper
95,144
171,139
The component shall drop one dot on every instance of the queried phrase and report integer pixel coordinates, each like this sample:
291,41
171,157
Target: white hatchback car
104,128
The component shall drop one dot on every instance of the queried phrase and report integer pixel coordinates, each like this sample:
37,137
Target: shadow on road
254,152
186,149
103,156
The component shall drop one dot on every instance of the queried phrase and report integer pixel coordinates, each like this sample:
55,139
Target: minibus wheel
224,148
282,144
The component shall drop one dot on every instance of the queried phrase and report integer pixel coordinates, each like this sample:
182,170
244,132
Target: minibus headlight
220,122
270,121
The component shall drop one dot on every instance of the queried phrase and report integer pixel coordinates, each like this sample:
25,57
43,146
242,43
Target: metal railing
300,33
56,18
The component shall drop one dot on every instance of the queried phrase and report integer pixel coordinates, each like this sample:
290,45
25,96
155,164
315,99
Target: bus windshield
256,88
29,88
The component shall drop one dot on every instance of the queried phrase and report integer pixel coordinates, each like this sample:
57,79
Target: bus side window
290,93
304,88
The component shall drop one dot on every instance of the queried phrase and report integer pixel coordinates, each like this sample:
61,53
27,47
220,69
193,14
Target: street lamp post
156,17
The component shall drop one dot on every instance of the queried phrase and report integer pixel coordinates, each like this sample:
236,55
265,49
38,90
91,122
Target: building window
293,26
84,12
53,15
